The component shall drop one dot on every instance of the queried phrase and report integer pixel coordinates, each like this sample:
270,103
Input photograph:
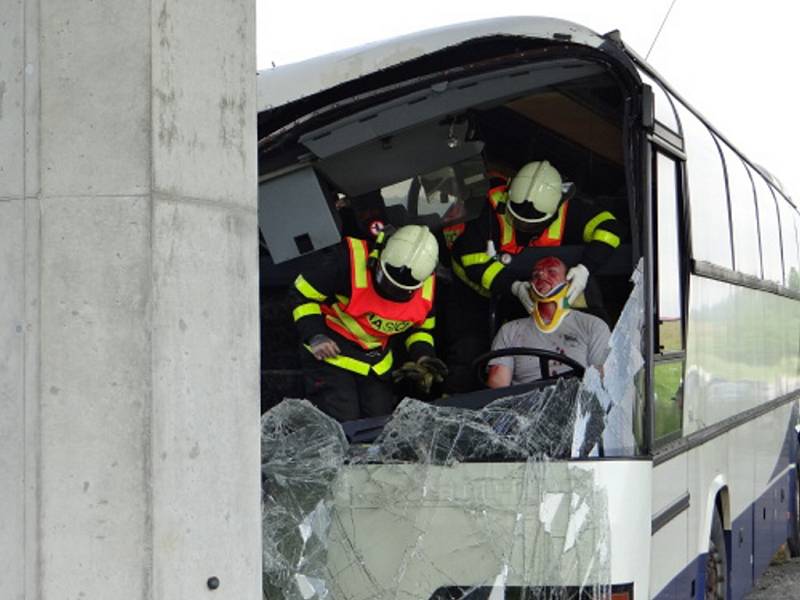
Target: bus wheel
794,538
716,561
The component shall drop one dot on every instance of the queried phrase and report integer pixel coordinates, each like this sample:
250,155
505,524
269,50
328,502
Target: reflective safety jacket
577,222
351,309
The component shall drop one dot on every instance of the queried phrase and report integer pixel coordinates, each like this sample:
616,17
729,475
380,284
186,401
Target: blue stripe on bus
788,453
772,531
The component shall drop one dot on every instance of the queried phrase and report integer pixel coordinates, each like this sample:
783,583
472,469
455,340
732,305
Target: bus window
770,229
790,250
669,359
744,220
665,112
794,283
708,201
451,194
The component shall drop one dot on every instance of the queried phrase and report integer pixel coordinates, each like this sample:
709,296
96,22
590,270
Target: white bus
688,485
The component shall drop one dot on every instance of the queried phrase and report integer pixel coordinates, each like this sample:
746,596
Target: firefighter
348,310
534,214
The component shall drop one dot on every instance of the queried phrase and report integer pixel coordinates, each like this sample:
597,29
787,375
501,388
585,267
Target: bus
672,475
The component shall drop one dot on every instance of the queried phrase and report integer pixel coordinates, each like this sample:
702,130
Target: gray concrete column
129,360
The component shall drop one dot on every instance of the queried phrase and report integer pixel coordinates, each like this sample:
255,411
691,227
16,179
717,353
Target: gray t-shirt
580,336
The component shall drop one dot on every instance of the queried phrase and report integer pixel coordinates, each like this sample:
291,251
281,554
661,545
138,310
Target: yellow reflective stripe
304,310
490,273
342,299
606,237
419,336
462,275
308,290
497,197
427,288
588,231
506,231
351,325
359,266
384,365
554,231
429,323
476,258
351,364
359,366
345,362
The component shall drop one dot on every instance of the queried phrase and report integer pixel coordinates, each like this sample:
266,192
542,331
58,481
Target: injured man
552,326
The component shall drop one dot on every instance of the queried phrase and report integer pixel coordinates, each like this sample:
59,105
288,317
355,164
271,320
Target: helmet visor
390,289
527,225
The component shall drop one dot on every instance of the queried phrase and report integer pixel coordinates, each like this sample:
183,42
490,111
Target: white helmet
535,194
410,257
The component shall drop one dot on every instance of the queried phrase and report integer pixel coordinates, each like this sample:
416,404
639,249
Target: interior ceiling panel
573,121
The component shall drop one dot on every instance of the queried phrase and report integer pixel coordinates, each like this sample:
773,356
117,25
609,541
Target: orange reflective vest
367,318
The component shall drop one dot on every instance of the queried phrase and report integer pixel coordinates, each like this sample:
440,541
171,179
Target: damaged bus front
539,490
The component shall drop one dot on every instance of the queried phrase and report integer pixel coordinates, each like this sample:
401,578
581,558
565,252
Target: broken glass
616,388
302,453
451,503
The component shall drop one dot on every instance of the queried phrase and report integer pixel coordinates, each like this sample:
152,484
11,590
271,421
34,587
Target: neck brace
558,296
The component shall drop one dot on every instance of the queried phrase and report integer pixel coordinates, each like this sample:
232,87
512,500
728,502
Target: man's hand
323,347
423,373
577,276
522,290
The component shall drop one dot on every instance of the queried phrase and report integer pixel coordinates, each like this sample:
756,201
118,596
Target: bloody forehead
547,262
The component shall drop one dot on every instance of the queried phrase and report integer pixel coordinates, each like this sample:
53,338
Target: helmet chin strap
557,296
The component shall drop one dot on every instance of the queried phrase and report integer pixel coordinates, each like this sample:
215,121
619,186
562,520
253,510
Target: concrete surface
780,582
129,396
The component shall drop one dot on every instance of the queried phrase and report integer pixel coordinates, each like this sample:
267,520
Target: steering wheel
545,357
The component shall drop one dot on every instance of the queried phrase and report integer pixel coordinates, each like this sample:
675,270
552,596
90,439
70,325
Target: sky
733,61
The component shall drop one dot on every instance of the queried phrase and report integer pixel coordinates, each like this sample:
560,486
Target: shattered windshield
450,502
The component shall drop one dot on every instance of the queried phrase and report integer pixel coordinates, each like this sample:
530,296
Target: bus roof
281,85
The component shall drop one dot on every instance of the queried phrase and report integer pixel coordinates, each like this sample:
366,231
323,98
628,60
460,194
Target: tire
793,543
716,562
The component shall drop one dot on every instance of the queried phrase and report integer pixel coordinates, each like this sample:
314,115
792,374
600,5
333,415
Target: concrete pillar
129,362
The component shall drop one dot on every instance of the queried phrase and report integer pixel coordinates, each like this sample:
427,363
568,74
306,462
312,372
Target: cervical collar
557,295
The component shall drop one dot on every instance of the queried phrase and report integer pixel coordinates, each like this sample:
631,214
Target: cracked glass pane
451,502
302,453
616,388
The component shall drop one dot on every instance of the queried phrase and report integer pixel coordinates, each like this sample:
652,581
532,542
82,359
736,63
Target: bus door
668,226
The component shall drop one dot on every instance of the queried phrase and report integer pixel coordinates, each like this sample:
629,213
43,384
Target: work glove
323,347
522,290
423,373
577,276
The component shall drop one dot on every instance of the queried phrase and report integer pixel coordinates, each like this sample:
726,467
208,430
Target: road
780,582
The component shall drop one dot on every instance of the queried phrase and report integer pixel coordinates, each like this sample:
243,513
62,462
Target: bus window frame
664,147
755,172
783,281
727,194
787,209
748,170
696,165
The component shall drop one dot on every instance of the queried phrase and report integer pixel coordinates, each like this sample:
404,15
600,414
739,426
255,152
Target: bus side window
708,197
770,229
744,219
794,276
670,355
790,250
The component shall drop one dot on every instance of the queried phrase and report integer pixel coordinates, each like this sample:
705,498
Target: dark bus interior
426,158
